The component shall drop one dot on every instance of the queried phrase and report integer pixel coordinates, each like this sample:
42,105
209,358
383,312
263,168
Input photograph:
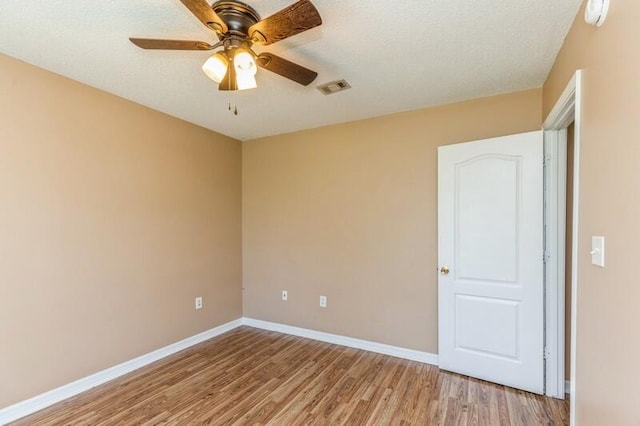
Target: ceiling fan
238,27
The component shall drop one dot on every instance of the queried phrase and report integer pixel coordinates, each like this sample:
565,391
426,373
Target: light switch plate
597,251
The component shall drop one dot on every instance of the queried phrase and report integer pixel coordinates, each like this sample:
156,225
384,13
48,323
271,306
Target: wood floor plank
255,377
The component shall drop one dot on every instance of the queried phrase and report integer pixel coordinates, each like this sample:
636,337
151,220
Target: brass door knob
444,270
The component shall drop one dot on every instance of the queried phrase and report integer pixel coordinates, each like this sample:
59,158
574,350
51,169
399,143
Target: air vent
334,87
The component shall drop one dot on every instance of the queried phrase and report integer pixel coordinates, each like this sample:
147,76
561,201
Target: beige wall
113,217
349,211
608,299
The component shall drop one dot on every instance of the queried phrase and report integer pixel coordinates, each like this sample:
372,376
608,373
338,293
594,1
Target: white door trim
555,182
568,109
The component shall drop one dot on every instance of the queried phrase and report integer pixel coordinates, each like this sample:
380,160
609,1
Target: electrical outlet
285,295
198,303
323,301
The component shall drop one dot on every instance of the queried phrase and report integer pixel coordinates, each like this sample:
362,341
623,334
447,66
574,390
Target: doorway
564,122
562,243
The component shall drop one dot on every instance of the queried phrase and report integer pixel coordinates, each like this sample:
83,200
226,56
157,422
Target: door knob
444,270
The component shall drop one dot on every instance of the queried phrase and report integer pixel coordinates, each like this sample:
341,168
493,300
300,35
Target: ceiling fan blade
149,43
287,69
202,10
292,20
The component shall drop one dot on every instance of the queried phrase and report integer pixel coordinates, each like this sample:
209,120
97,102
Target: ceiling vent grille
334,87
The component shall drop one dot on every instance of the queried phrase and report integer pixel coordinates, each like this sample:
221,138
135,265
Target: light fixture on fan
244,68
238,27
216,67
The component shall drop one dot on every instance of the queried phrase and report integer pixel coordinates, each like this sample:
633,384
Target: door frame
555,195
567,109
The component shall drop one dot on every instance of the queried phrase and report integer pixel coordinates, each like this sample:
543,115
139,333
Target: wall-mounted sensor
596,12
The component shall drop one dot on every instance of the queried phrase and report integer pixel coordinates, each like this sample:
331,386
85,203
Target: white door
490,238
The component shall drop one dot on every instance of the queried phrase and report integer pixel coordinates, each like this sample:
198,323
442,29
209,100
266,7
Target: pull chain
235,105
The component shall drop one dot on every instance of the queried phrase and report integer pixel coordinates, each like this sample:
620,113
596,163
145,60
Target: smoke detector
596,12
334,87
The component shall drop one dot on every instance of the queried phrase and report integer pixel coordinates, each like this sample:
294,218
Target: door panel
490,219
487,203
473,313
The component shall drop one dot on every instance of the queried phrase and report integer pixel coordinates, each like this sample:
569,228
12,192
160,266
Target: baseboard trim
37,403
381,348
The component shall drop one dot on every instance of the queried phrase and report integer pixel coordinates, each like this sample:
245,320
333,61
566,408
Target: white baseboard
37,403
567,386
410,354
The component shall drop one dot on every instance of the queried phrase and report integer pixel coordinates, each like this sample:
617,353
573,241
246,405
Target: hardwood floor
251,376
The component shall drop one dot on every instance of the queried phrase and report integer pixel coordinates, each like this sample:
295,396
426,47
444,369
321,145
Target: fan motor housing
237,15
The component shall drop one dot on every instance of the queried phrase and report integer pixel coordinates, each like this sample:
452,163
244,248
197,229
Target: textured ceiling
396,55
